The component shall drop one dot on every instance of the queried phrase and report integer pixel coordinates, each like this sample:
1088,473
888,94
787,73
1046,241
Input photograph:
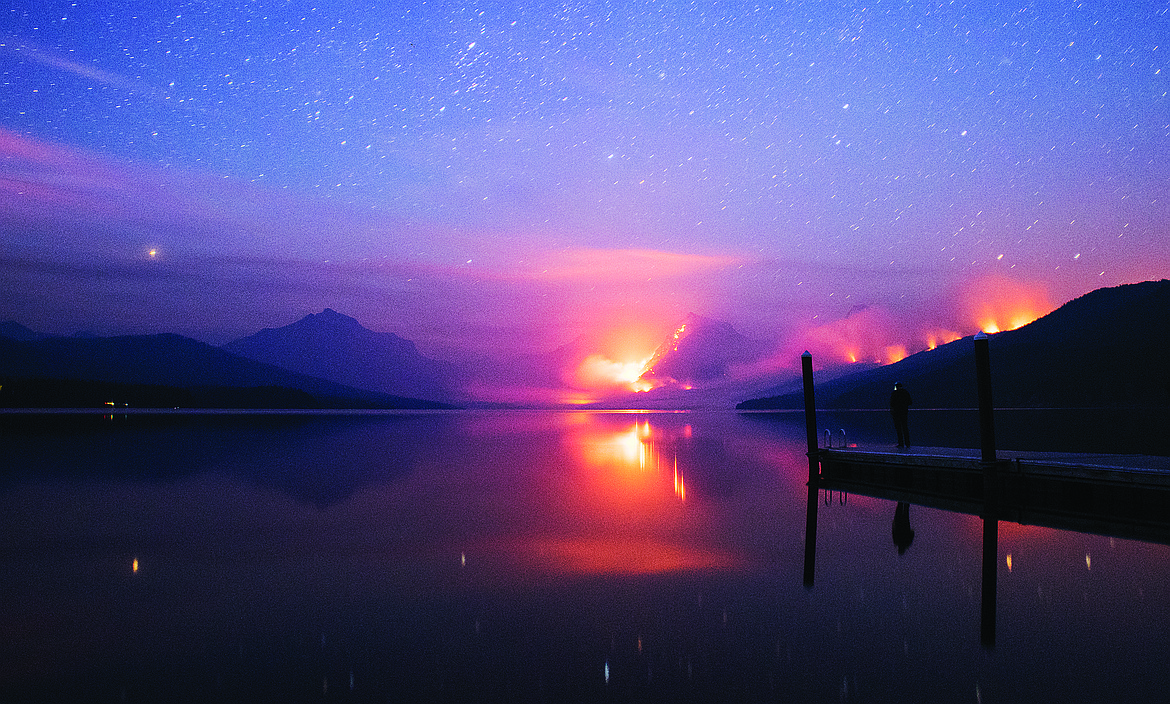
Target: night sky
503,178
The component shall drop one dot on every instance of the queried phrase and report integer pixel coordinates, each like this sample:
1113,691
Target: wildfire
1012,321
882,335
934,338
895,353
997,303
623,363
620,361
599,372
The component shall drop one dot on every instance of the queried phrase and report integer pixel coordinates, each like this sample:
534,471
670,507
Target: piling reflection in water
810,534
988,504
989,586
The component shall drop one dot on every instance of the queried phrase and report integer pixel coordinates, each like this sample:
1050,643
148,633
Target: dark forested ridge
162,371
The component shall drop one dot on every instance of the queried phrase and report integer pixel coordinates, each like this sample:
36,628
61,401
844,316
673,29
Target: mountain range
701,351
163,370
335,347
1107,348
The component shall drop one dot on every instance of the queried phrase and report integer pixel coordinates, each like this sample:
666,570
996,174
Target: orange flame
600,373
997,303
939,336
867,334
875,334
615,361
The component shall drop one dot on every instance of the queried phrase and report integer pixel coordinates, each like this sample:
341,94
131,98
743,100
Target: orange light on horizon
881,334
1014,321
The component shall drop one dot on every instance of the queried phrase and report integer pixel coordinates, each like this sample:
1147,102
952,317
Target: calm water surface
527,556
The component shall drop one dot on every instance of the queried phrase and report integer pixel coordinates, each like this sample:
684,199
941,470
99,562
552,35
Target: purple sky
499,178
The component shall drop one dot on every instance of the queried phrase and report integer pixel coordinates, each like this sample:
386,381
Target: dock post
810,415
990,491
986,415
810,425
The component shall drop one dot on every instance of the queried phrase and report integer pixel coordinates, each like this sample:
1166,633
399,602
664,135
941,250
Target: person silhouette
900,409
903,533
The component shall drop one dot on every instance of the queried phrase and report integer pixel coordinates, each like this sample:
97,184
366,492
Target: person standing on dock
900,410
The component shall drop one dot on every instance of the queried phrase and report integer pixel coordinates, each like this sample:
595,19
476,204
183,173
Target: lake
529,556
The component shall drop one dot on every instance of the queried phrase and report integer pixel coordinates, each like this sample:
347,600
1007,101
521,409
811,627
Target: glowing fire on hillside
996,303
602,374
937,337
599,372
623,362
875,335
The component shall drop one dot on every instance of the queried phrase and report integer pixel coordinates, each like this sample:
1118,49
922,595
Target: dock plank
1120,495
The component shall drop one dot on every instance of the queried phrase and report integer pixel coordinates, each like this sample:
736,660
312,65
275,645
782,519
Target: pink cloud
612,265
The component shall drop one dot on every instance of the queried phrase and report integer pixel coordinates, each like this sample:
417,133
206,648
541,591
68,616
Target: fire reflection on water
640,448
532,555
626,510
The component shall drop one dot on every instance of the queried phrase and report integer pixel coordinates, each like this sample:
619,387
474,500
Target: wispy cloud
25,49
86,199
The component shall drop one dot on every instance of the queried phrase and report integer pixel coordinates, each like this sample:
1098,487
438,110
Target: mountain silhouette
1105,348
701,351
13,330
332,346
154,366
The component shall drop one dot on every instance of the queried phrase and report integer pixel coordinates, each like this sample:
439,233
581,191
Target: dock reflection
993,500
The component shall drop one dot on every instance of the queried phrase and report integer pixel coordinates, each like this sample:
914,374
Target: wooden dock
1118,495
1125,496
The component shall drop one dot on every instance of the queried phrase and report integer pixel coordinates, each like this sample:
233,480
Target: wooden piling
983,380
810,415
814,471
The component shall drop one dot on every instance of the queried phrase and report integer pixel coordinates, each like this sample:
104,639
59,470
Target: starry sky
491,179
